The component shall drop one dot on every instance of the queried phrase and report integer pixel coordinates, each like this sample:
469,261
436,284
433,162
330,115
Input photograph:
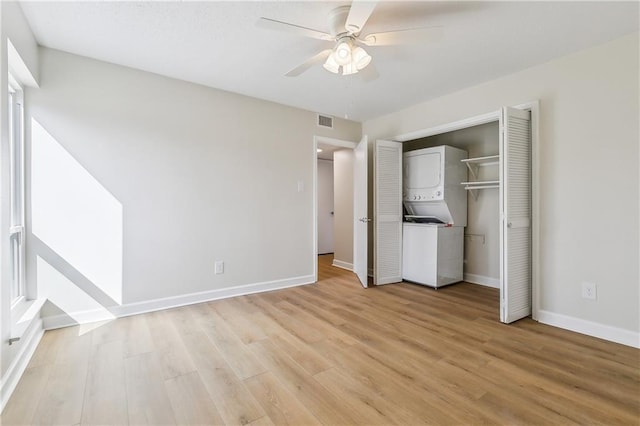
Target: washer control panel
430,195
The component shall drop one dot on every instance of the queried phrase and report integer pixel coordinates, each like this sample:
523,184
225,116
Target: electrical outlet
589,291
219,267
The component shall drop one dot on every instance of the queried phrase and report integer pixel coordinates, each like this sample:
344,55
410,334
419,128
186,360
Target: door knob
364,219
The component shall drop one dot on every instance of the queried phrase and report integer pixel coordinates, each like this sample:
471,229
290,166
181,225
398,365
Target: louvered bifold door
515,203
388,212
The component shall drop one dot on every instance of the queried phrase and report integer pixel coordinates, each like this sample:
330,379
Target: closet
481,181
498,238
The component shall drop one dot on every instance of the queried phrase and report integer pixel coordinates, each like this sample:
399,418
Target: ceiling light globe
360,58
331,65
343,53
349,69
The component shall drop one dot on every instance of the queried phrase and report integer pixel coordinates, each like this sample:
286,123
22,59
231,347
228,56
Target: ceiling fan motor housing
337,20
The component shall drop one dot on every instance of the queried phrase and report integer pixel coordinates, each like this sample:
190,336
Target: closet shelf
473,164
489,160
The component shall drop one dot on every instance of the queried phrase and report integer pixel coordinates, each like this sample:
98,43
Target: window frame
17,191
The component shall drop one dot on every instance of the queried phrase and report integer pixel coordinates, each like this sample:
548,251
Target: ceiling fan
346,25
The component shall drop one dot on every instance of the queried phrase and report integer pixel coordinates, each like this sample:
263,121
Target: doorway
333,219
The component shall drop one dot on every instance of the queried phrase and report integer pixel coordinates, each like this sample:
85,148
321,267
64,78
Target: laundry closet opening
458,203
480,238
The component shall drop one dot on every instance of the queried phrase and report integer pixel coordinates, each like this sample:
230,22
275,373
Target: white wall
190,174
15,27
325,207
482,233
588,185
343,205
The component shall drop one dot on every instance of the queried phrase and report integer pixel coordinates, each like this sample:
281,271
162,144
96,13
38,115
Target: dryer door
422,171
423,175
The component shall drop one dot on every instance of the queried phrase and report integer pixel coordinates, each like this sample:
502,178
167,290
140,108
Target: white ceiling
217,44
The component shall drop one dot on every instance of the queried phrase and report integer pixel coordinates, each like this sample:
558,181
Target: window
16,152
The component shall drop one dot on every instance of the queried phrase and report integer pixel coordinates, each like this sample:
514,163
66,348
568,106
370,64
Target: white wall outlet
300,186
589,291
219,267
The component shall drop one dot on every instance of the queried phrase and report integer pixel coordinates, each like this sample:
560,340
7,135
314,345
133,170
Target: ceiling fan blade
314,60
370,73
272,24
413,35
358,15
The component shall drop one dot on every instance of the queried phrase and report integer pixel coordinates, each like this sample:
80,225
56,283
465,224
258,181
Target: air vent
325,121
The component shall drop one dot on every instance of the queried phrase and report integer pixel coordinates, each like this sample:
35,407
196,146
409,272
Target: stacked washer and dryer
435,207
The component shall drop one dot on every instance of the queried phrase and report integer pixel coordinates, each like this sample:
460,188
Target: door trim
450,127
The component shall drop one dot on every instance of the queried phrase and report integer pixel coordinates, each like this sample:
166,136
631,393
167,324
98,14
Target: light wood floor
331,353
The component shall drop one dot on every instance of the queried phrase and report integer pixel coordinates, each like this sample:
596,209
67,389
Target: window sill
23,313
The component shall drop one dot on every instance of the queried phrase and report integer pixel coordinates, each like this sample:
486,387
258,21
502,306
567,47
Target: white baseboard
344,265
64,320
590,328
482,280
29,342
52,322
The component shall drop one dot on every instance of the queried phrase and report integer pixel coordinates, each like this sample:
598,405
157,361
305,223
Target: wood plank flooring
331,353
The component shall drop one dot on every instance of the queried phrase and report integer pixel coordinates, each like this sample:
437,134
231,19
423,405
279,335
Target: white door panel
361,220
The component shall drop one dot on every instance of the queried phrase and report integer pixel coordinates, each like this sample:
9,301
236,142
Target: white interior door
361,221
387,171
515,207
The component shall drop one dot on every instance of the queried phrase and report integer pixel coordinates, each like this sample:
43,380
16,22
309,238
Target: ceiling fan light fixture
331,65
346,30
360,58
